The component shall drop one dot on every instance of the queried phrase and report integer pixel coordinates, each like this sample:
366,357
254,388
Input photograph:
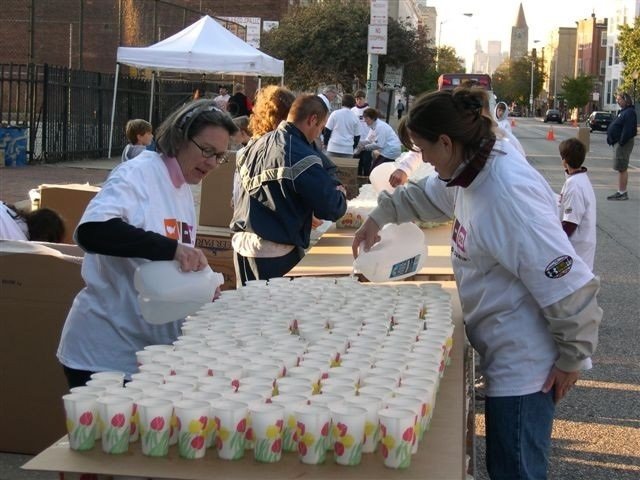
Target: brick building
591,54
85,34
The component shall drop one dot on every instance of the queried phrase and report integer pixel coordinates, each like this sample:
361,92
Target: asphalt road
596,434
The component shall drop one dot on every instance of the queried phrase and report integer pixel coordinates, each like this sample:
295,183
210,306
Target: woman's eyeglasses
221,157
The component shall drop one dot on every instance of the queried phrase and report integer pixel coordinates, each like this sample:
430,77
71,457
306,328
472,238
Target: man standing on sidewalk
620,135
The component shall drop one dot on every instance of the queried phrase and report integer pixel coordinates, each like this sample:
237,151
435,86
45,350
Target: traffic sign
393,76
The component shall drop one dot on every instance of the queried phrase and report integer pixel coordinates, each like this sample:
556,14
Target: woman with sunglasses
143,212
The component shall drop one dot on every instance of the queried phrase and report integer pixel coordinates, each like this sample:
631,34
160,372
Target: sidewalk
15,182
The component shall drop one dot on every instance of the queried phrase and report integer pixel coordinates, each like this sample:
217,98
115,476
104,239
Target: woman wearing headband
528,301
143,212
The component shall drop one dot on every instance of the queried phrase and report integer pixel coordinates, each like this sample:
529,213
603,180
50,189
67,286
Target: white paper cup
267,421
413,404
109,376
397,434
313,423
290,402
115,422
347,433
134,394
231,425
371,428
95,391
193,417
147,377
81,411
155,420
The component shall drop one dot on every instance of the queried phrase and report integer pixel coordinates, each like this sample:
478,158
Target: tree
629,44
512,80
577,91
449,62
326,42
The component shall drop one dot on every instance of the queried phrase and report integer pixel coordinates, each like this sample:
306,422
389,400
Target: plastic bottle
379,177
399,254
167,294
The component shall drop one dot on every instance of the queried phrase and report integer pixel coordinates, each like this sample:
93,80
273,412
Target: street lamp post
555,80
634,76
531,91
440,38
438,49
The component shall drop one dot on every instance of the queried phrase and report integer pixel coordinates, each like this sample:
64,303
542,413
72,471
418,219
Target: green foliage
326,43
577,91
512,80
629,44
449,62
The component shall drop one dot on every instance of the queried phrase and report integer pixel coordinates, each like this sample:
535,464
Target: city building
560,54
85,34
489,61
519,37
591,50
625,13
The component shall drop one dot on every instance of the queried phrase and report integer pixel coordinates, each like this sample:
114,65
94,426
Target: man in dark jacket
283,185
621,133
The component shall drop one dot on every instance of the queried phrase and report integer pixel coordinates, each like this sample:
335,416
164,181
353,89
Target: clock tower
519,37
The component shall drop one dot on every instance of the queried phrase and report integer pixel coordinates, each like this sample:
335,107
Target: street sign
377,40
379,12
393,77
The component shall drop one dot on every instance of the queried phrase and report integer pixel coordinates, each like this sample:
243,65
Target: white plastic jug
167,294
400,253
379,177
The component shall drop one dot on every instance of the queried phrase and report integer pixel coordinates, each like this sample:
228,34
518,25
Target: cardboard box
348,174
37,286
70,201
216,245
216,193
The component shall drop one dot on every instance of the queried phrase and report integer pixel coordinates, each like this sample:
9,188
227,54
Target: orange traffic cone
513,122
550,135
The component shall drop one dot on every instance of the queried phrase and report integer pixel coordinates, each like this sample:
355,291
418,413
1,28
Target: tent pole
153,88
113,108
259,82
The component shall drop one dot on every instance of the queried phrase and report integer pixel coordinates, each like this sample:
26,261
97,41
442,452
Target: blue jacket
624,127
284,183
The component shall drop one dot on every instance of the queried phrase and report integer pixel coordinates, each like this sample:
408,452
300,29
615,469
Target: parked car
516,111
553,115
599,121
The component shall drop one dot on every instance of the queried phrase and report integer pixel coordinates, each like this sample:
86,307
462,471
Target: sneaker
618,196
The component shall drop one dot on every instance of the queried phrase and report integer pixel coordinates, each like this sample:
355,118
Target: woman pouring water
144,211
528,301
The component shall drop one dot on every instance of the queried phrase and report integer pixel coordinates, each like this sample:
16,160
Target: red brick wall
101,32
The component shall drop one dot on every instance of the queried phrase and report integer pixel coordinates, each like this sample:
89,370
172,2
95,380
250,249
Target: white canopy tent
203,47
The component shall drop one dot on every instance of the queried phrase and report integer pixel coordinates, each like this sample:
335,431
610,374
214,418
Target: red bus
449,81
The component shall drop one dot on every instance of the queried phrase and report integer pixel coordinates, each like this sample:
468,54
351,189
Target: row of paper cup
346,426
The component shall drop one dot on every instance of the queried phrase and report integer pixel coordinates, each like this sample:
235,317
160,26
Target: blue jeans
519,436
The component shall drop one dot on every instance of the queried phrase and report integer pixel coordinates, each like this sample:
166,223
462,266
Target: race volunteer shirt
146,198
508,269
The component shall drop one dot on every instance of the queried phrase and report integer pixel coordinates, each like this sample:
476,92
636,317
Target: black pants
364,164
250,268
76,378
